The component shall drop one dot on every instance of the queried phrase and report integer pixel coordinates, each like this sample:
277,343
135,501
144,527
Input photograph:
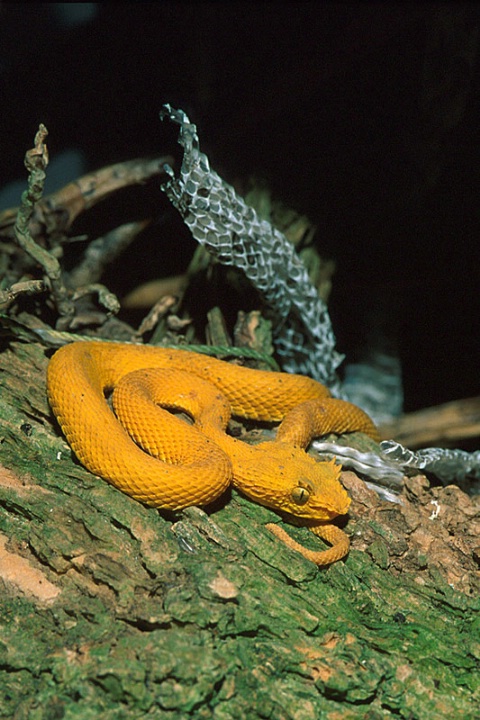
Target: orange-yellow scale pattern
135,442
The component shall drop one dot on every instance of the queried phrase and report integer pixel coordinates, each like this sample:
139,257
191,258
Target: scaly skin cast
181,464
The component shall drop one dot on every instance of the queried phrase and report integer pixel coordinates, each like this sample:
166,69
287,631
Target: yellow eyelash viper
163,461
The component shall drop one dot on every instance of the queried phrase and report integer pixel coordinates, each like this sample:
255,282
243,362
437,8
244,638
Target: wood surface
112,610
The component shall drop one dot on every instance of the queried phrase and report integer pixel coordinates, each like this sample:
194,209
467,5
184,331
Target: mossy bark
112,610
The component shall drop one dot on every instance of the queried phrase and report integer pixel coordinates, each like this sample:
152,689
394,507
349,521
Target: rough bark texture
112,610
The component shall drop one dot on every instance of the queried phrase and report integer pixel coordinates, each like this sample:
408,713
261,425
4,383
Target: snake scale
143,448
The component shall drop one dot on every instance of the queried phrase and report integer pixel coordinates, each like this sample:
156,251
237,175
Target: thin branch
28,287
36,161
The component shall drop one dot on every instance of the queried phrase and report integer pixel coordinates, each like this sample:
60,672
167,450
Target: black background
327,102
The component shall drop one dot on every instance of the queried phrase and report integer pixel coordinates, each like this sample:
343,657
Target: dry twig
36,160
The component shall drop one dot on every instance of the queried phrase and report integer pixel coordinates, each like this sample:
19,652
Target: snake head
289,480
317,494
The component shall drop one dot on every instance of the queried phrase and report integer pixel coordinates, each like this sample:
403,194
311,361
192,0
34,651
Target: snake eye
300,495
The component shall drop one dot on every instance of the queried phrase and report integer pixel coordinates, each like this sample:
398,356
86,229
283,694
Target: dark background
363,116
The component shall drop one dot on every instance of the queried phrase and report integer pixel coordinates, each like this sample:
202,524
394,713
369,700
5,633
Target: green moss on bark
201,616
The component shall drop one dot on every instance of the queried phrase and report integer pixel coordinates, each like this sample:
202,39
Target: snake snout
331,505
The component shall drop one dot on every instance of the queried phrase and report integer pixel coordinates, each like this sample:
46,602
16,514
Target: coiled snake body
161,460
